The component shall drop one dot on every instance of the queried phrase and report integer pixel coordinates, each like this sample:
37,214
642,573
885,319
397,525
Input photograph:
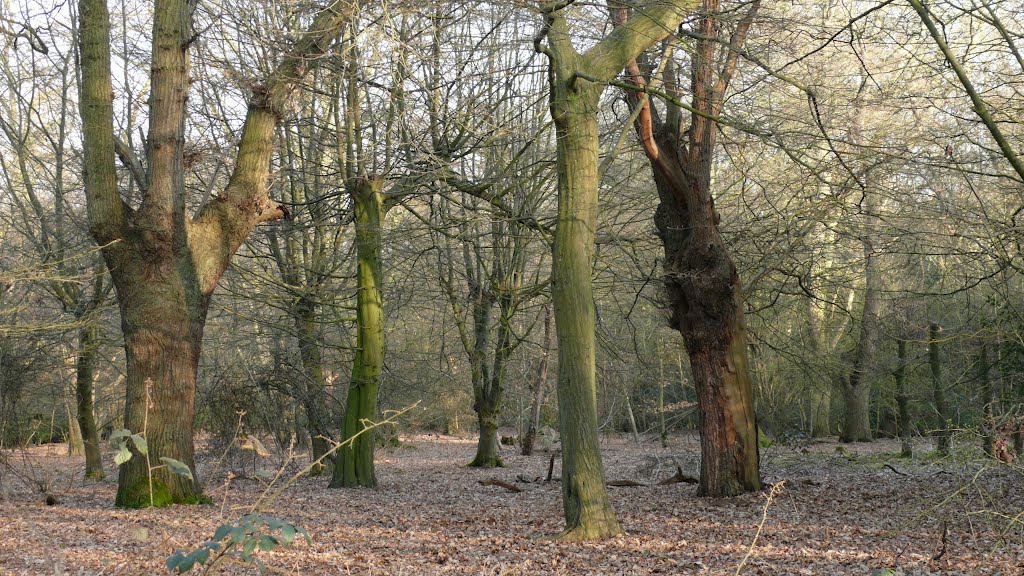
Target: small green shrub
240,540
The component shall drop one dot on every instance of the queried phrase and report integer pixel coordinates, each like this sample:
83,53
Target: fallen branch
679,477
624,483
893,468
505,485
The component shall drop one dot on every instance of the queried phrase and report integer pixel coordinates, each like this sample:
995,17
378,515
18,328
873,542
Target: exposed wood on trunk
700,277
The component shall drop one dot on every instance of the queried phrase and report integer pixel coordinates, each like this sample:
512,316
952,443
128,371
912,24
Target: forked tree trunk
165,261
487,385
706,309
354,464
576,81
701,281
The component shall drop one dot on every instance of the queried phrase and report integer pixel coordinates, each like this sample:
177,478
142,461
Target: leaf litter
842,509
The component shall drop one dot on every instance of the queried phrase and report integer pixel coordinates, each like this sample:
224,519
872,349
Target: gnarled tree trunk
701,281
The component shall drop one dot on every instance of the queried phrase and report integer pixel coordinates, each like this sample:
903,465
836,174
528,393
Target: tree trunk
988,424
354,465
75,446
903,400
487,386
484,399
941,433
314,392
576,81
85,369
163,330
701,281
588,509
539,384
487,445
631,418
661,399
166,262
857,389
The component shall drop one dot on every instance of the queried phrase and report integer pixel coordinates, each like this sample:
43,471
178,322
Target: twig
776,488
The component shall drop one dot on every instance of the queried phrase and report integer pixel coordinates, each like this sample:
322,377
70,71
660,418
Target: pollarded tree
700,278
165,261
576,82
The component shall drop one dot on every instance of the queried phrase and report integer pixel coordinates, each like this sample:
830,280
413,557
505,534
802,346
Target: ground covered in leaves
841,509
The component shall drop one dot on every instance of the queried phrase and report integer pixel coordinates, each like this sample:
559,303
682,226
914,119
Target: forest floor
841,509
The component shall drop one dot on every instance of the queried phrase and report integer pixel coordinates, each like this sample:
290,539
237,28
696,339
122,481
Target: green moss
162,497
481,462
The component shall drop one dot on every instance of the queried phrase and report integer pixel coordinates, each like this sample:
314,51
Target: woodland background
868,195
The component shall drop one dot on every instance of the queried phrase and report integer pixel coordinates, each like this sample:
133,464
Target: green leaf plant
240,540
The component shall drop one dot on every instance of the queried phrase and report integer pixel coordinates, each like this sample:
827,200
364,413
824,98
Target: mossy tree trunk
165,263
576,82
354,464
700,277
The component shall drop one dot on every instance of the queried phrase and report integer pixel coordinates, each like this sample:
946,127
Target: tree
576,82
701,280
354,466
40,145
164,259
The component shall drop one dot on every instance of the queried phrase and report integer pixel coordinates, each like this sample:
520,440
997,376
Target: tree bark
165,264
857,388
314,392
941,432
700,278
903,400
988,399
539,384
574,105
354,465
85,370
